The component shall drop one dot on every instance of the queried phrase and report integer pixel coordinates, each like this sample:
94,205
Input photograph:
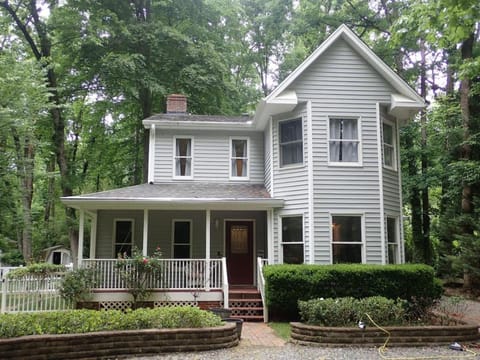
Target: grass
282,329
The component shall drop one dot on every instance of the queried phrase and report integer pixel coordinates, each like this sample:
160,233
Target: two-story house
313,177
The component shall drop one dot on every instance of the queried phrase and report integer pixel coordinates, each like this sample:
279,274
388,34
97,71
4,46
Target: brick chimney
176,104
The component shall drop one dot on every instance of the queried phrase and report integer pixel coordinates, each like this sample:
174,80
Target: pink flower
145,260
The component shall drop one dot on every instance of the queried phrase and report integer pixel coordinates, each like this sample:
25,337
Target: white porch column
80,238
145,232
207,250
270,235
93,236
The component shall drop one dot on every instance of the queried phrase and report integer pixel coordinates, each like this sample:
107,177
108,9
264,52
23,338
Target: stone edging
399,335
111,344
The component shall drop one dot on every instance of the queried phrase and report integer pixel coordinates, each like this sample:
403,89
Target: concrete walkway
259,334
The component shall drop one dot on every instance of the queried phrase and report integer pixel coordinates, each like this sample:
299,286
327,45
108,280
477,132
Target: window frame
183,137
362,234
393,146
282,243
397,239
280,144
231,158
115,221
174,221
359,142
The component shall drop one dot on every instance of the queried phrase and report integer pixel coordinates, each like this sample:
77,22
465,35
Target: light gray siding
268,158
211,155
342,84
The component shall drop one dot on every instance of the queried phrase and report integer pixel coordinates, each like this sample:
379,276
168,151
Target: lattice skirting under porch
124,305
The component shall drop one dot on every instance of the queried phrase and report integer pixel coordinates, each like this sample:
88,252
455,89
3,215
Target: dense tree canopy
78,76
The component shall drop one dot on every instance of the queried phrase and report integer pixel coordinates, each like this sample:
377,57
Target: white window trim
394,145
239,178
295,165
173,236
396,218
362,242
358,163
192,157
280,235
114,232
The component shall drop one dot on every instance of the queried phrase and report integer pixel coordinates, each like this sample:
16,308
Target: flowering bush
140,272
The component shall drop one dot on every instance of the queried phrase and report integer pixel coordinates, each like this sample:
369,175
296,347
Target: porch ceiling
178,196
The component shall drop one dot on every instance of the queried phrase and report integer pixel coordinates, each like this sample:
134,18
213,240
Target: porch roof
178,196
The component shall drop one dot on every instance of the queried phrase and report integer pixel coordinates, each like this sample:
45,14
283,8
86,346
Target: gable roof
281,99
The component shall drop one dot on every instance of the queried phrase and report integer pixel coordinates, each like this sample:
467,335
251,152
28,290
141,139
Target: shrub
37,269
286,284
77,285
82,321
348,311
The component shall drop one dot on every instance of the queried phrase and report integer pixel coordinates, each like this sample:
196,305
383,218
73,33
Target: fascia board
195,125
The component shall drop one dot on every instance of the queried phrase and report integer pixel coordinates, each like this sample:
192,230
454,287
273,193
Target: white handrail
261,284
225,283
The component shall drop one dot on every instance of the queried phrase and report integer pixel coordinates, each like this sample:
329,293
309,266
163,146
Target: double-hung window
123,236
183,157
291,142
239,159
344,141
182,231
392,240
388,145
292,239
346,238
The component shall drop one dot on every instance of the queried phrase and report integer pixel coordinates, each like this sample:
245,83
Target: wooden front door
239,249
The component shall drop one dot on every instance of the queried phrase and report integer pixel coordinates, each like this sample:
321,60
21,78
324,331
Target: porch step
246,304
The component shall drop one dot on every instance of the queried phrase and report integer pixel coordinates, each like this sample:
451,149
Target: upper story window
344,142
239,158
123,236
183,158
388,145
291,142
347,238
292,239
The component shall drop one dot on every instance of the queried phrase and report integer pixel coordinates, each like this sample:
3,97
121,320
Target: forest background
78,76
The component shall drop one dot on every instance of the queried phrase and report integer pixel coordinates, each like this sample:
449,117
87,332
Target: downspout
311,220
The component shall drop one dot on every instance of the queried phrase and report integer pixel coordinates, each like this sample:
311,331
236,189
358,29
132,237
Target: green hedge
348,311
286,284
82,321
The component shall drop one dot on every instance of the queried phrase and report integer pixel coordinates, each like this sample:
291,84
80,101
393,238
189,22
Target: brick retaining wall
399,335
110,344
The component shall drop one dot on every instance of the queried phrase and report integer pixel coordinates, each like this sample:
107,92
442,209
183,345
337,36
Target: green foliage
36,269
83,321
348,311
286,284
139,271
77,285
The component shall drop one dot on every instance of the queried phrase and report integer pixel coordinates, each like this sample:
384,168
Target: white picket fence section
32,294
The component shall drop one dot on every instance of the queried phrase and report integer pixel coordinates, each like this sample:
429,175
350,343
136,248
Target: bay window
344,141
388,145
292,239
392,240
346,238
291,142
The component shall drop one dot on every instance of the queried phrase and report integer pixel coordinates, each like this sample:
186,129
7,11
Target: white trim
311,210
80,238
272,163
93,235
381,204
294,165
359,162
270,236
230,176
280,235
151,155
401,239
192,157
201,125
115,220
145,233
189,240
363,244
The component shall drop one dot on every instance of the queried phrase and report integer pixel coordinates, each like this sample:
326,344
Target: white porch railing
261,284
178,274
31,293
